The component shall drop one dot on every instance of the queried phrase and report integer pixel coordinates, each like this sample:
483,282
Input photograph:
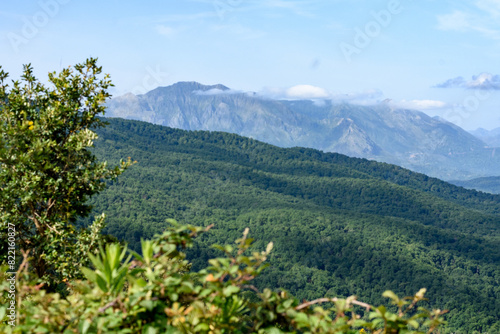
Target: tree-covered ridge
340,225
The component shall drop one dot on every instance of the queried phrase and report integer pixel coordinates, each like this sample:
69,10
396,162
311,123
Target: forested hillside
340,225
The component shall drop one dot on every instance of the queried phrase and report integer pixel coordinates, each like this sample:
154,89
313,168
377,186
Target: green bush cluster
47,172
157,293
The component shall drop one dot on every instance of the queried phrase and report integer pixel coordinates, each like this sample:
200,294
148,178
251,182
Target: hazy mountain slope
490,137
404,137
184,106
340,225
487,184
408,138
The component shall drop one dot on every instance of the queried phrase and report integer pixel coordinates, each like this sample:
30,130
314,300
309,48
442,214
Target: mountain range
379,132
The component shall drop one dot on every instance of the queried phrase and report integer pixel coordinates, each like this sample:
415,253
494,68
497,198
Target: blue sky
438,56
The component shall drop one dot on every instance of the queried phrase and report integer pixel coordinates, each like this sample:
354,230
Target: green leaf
85,326
391,295
230,290
148,304
147,250
205,292
90,274
141,282
149,330
413,323
391,316
302,319
201,327
377,322
101,283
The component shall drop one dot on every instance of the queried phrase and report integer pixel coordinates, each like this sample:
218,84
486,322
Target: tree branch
108,305
251,287
330,300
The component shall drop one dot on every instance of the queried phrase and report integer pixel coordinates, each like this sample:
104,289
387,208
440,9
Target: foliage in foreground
47,171
156,293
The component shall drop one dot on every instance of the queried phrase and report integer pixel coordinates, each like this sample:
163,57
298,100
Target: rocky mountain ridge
380,132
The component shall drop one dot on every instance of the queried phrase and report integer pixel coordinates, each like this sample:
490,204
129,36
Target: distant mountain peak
199,86
186,87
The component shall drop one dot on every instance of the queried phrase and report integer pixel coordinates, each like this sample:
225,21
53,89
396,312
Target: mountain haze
404,137
489,184
490,137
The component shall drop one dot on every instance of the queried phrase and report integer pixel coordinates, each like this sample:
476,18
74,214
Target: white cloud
164,30
298,7
237,30
484,20
298,92
486,81
306,92
455,21
453,82
303,8
217,91
490,6
318,94
420,104
367,97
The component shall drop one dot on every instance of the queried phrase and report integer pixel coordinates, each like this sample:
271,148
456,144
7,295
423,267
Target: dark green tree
47,171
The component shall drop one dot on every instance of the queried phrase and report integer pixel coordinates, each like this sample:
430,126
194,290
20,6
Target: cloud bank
420,104
486,81
320,95
218,91
317,94
306,92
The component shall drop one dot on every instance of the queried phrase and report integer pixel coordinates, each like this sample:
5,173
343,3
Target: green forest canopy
341,226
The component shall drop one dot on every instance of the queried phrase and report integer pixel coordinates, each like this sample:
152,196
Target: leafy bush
156,293
47,172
